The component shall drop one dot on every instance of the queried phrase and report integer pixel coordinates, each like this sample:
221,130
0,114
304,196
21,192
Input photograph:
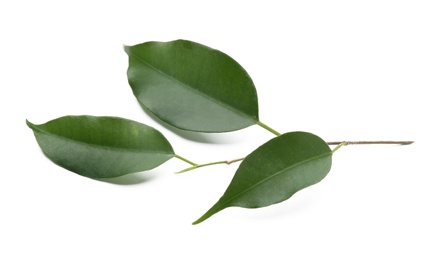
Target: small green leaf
191,86
102,147
275,171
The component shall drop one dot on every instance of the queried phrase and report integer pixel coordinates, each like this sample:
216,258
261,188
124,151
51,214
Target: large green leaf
275,171
102,147
191,86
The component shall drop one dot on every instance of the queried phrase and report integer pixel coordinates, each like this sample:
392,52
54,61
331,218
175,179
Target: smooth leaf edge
254,120
35,128
217,207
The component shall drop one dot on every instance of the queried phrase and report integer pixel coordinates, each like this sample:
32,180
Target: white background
344,70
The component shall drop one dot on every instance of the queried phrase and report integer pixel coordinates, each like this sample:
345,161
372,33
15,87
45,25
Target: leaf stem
185,160
228,162
268,128
339,145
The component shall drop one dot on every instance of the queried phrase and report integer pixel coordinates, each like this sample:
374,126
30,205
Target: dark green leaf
102,147
275,171
191,86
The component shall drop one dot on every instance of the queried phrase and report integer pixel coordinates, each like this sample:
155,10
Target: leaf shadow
130,179
201,137
290,207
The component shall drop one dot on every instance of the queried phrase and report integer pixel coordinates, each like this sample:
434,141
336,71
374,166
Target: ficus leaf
275,171
102,147
191,86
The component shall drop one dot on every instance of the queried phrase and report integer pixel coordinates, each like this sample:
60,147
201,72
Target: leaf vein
273,176
132,150
196,91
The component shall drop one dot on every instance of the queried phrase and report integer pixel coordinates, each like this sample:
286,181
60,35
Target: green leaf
275,171
191,86
102,147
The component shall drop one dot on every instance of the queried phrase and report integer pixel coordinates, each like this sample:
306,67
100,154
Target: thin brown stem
371,142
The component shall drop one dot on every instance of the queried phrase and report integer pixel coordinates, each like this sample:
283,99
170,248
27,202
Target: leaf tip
199,220
213,210
29,124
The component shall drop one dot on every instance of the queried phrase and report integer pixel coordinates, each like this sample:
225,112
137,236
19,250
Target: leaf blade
275,171
102,147
191,86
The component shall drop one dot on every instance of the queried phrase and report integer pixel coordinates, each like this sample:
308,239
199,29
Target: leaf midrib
272,176
196,91
35,128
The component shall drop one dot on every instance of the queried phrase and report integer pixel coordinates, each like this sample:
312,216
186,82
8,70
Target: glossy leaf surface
191,86
102,147
275,171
